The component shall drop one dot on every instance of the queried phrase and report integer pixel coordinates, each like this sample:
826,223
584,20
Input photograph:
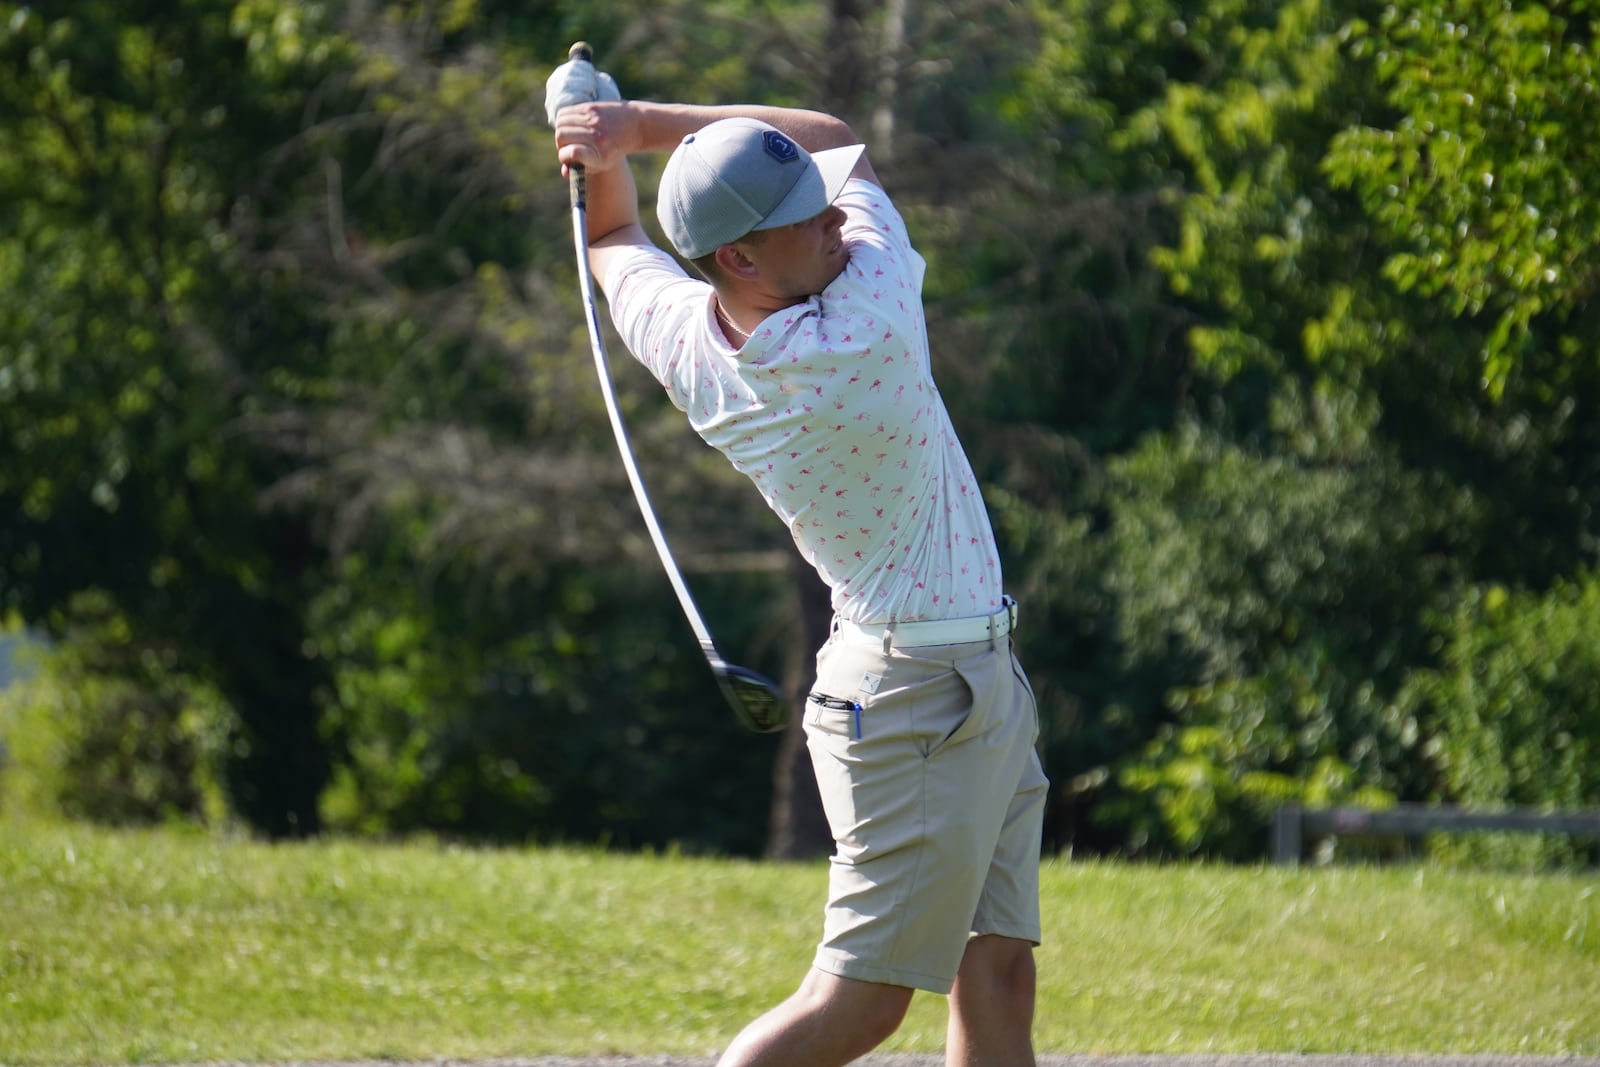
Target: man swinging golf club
802,357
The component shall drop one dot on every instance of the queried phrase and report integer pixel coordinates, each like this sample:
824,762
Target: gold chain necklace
722,315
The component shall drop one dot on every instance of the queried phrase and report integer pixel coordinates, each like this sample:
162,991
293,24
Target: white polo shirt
831,410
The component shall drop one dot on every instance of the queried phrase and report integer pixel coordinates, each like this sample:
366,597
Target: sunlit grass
171,947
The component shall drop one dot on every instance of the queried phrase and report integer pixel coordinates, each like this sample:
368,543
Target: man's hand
576,82
599,136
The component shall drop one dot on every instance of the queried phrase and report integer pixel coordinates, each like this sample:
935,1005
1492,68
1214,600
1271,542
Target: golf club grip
576,185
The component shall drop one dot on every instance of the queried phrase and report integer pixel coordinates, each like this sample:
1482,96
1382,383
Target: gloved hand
576,82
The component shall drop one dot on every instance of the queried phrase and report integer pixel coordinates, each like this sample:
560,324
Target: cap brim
809,196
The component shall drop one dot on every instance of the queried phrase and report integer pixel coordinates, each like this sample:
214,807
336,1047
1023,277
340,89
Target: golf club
755,699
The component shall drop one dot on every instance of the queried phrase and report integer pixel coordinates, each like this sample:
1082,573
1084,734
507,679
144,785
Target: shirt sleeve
876,232
880,289
653,306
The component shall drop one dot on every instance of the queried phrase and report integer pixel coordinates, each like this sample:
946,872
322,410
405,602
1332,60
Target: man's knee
997,974
869,1010
884,1015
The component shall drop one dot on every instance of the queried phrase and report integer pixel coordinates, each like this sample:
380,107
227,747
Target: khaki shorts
935,795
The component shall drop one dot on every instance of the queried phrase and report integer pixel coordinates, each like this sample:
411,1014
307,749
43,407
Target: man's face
799,260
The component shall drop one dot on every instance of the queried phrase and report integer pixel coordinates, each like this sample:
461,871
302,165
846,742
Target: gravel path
1076,1060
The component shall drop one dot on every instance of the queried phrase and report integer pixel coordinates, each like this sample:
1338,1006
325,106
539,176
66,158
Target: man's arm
601,136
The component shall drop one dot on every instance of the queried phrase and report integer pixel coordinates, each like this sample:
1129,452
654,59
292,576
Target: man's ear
734,263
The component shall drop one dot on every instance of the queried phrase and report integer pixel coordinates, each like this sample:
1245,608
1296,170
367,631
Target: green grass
170,947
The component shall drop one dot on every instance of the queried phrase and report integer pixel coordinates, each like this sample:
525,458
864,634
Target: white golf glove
576,82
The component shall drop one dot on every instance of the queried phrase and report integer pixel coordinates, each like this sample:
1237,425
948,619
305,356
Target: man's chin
844,261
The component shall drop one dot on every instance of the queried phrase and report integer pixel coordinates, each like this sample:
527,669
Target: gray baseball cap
739,175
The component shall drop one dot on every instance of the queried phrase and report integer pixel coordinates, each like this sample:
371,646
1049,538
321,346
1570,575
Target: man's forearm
613,201
662,126
643,126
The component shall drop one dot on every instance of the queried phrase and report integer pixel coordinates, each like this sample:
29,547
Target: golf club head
755,699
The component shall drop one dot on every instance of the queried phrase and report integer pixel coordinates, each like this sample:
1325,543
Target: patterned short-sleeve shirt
831,410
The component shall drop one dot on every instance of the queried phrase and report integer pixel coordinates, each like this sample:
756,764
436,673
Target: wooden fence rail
1293,824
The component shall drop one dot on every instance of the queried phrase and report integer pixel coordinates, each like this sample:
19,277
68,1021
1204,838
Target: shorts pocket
1027,686
946,712
839,716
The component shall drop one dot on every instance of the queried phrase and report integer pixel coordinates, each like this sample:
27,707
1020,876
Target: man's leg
991,1006
828,1022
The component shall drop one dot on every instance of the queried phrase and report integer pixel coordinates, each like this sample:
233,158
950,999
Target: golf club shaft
580,235
756,700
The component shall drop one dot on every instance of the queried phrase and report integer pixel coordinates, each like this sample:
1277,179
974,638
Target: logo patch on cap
779,147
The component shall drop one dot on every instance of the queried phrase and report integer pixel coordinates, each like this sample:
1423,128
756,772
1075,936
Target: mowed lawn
163,947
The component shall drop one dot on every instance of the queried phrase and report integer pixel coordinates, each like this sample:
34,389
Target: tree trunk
888,66
845,79
276,776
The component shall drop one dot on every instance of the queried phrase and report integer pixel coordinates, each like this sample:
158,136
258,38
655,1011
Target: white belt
933,632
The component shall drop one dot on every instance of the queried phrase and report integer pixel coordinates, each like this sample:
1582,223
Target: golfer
801,354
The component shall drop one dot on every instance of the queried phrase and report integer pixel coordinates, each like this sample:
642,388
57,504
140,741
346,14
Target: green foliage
1268,252
1516,712
126,742
1246,747
1331,234
1266,324
292,376
1064,341
134,151
578,721
1225,554
1480,183
1281,601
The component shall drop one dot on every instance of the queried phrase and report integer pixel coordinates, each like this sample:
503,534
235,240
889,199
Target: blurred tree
129,173
1478,182
1328,149
1283,605
1265,324
292,384
109,731
1475,183
1516,713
